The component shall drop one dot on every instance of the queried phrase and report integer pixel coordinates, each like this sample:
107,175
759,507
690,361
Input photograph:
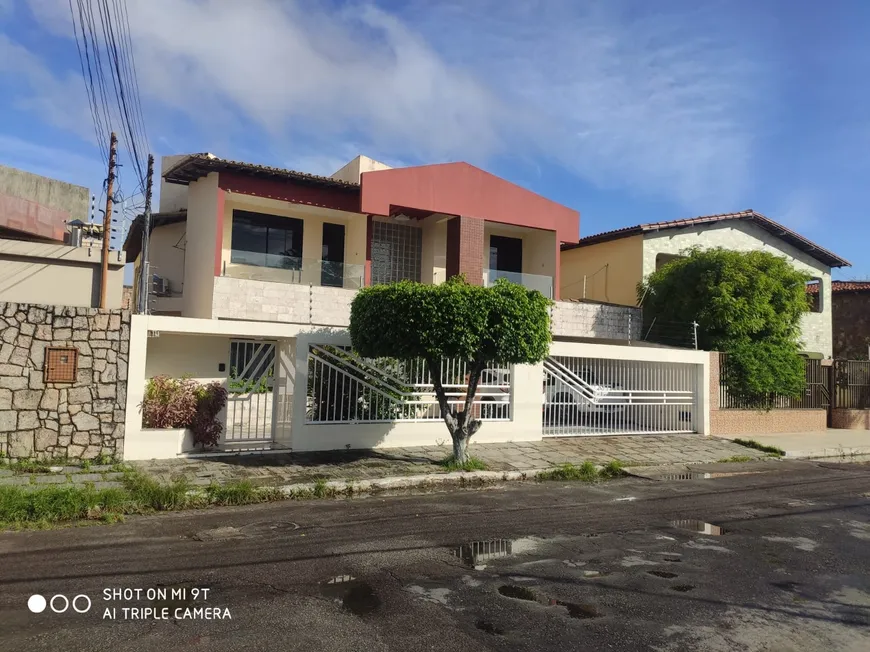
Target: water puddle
478,553
663,574
574,609
682,588
355,596
518,592
700,527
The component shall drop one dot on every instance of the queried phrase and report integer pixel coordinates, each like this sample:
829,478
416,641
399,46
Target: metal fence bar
345,388
851,384
814,396
597,396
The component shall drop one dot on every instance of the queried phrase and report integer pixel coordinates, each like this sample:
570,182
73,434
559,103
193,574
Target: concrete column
285,392
135,383
465,248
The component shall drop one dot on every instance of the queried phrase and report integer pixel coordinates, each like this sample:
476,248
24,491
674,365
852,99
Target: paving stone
50,479
108,485
15,480
80,478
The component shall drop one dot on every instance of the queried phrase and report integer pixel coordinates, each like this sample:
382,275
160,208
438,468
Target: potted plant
179,414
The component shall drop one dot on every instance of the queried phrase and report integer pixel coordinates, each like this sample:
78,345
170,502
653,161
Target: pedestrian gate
250,400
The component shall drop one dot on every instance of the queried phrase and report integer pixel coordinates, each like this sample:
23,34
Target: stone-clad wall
77,420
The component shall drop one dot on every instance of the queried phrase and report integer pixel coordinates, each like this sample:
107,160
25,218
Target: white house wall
746,236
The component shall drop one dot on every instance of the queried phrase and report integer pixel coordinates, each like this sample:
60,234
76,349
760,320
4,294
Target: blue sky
627,111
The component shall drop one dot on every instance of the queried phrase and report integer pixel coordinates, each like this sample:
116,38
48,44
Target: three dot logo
59,603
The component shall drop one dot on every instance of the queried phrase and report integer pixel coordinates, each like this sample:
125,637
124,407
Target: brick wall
593,319
758,422
465,248
851,325
850,419
78,419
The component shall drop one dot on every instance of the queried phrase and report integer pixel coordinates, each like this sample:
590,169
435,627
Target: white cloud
642,103
53,162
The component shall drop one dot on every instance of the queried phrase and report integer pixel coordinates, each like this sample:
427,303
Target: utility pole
144,263
107,220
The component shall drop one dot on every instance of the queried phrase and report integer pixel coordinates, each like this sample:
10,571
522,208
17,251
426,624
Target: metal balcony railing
294,269
543,284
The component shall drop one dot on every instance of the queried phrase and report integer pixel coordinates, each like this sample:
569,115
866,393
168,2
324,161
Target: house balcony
539,282
294,270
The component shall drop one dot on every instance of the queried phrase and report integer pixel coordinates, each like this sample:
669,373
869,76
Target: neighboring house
242,241
48,253
608,266
851,318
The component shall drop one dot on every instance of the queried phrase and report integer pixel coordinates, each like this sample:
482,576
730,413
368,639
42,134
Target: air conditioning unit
160,286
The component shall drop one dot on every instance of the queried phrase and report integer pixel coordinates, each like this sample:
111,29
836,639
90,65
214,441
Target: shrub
169,402
184,403
205,426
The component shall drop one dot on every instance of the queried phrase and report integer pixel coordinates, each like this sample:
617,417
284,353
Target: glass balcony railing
543,284
294,269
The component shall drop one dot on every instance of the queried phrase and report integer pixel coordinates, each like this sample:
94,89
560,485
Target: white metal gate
599,396
251,392
343,387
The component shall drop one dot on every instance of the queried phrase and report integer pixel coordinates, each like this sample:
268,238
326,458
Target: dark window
267,240
506,254
332,264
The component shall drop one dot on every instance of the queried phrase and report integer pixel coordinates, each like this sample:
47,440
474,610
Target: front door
332,266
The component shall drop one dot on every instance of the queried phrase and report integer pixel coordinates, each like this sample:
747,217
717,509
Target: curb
409,481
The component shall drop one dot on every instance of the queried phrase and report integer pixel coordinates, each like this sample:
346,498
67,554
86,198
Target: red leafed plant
206,427
184,403
169,402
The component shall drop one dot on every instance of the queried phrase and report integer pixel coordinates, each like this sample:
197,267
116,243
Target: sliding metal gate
251,399
599,396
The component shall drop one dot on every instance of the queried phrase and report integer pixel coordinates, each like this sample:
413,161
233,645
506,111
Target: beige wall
354,169
167,249
312,239
433,267
816,327
612,270
195,356
200,249
173,196
32,272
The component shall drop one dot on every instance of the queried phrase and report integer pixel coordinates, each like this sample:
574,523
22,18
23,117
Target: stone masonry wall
78,420
592,319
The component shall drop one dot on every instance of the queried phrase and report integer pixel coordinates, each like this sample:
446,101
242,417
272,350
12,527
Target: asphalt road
559,566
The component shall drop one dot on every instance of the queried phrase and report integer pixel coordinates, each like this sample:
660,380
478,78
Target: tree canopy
502,324
748,304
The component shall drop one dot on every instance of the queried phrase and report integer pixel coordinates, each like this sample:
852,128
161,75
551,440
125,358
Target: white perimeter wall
196,347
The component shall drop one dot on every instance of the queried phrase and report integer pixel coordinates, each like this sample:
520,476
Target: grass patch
586,472
29,466
473,464
751,443
58,504
736,458
613,469
149,494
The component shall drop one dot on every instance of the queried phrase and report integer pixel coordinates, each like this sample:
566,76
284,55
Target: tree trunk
460,447
460,424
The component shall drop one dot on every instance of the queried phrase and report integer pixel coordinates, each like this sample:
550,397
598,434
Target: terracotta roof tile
842,286
780,231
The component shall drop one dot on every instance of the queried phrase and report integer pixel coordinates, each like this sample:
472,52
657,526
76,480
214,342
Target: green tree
503,324
748,304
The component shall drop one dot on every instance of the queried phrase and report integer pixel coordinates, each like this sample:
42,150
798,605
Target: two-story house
242,241
608,266
253,270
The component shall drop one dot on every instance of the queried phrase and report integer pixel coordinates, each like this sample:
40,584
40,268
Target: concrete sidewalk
831,443
362,465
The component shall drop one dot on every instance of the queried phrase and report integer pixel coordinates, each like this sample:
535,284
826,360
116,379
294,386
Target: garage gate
601,396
